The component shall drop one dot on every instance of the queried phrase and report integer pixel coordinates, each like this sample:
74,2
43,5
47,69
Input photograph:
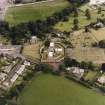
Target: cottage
101,80
76,71
99,25
26,63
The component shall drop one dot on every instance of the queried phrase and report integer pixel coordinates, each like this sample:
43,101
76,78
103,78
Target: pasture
33,12
47,89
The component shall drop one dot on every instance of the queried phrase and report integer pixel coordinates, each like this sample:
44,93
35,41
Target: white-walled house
101,79
76,71
96,2
58,49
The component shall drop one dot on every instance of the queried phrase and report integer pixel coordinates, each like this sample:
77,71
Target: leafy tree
88,14
61,67
102,44
43,67
47,43
70,62
103,67
75,12
75,23
87,65
99,10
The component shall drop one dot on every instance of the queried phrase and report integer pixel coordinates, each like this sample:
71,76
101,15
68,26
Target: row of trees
79,2
100,44
24,31
68,62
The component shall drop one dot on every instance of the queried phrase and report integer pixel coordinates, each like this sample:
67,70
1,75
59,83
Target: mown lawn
34,12
53,90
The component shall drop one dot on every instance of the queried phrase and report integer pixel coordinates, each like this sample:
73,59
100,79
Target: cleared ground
34,12
53,90
96,55
83,39
98,34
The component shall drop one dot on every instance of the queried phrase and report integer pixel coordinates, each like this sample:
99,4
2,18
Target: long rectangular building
10,49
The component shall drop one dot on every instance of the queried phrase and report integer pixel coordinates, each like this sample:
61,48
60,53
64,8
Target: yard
32,50
53,90
34,12
91,75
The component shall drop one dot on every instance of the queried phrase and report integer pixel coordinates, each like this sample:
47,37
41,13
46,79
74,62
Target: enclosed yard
53,90
32,50
34,12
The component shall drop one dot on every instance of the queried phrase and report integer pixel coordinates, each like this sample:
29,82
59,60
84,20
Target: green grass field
53,90
33,12
91,75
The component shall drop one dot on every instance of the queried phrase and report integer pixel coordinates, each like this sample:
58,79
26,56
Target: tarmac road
3,8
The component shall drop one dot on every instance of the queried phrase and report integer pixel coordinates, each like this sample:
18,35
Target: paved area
18,5
3,8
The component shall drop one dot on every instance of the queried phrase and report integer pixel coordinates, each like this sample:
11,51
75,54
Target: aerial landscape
52,52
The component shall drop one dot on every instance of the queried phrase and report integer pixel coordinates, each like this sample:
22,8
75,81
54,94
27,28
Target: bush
102,44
